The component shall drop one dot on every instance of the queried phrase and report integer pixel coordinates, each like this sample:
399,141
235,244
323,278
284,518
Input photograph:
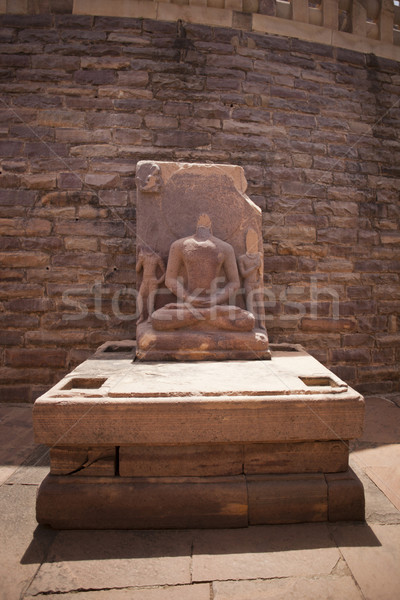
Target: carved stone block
199,264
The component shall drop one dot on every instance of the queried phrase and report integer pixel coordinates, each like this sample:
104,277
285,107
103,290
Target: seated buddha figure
203,274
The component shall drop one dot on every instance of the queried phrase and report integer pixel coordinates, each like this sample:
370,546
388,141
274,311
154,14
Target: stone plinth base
197,502
200,345
201,444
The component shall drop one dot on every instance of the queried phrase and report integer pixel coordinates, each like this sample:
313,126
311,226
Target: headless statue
148,261
210,280
251,269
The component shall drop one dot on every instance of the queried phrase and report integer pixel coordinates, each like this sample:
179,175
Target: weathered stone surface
17,437
17,527
142,503
345,497
199,591
202,393
172,461
132,559
289,588
303,457
292,551
287,498
371,553
94,462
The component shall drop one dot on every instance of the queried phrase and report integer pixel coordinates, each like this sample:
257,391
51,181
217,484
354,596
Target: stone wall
316,129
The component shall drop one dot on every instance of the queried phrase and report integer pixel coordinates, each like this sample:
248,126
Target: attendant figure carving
202,273
149,178
148,262
251,269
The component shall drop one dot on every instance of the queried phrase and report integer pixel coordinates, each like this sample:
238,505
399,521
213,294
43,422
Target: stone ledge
223,17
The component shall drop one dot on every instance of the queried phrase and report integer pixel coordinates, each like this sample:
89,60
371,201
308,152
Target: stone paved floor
320,561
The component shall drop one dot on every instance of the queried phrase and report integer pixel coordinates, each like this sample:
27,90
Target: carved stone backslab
196,223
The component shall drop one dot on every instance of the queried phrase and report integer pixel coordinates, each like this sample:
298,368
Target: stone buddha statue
202,273
199,264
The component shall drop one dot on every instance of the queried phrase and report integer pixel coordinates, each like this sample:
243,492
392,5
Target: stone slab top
286,374
291,372
113,400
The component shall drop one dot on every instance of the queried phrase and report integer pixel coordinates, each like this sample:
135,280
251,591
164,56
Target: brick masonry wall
315,128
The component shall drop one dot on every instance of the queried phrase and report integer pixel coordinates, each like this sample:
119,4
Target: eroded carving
251,269
148,178
203,275
148,262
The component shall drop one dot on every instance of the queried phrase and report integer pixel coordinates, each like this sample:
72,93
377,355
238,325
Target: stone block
287,498
267,554
176,461
142,503
302,457
100,461
201,403
345,497
203,15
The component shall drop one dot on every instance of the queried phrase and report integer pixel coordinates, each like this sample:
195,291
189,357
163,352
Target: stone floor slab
263,552
16,437
378,508
382,465
375,567
382,421
34,468
95,560
199,591
17,524
299,588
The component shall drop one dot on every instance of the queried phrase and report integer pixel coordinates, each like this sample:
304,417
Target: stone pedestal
199,444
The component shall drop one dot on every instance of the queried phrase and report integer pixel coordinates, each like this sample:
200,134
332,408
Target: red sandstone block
384,356
54,61
18,375
358,339
279,263
140,503
69,20
185,108
16,290
25,21
297,188
346,373
15,393
287,499
89,228
10,338
183,139
42,36
83,261
38,149
95,77
12,227
134,78
69,181
23,259
345,497
351,355
23,357
327,325
9,149
28,305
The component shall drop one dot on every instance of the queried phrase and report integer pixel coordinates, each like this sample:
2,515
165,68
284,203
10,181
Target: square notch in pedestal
118,348
84,383
319,381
